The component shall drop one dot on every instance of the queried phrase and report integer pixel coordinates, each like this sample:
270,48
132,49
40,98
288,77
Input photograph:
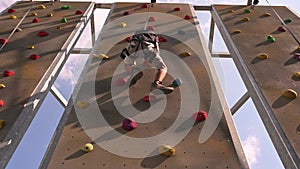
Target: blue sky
258,148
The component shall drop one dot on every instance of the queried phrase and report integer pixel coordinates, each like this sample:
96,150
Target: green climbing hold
66,7
271,38
288,20
64,20
247,11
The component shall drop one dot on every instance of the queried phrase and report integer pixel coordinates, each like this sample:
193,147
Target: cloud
252,149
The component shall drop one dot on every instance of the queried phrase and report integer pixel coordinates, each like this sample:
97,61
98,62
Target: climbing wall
31,58
102,88
271,55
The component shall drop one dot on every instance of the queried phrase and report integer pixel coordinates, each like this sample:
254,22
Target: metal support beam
249,2
81,51
202,8
92,20
239,103
59,97
211,34
104,5
221,55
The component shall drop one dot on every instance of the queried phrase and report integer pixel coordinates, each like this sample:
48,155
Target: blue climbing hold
177,82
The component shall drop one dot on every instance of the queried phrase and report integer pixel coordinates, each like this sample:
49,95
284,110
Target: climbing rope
147,17
14,30
283,23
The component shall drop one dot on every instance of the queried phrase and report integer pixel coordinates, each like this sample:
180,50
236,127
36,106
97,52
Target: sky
257,146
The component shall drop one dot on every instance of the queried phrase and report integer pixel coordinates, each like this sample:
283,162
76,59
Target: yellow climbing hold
42,7
185,54
262,56
88,147
237,31
166,150
231,11
13,17
290,93
50,14
58,27
123,24
2,86
2,123
298,48
30,47
266,14
82,104
33,14
103,56
297,74
246,19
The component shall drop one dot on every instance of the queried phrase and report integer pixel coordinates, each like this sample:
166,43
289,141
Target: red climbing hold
11,10
152,19
162,39
126,13
297,56
187,17
129,124
144,6
43,33
149,98
128,39
79,12
200,116
1,103
177,9
7,73
121,82
34,57
3,41
281,29
151,28
35,20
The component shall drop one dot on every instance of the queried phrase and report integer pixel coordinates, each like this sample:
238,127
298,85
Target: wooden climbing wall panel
97,91
273,75
42,33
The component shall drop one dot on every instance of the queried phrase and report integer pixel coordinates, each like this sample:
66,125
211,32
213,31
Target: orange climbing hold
3,41
8,73
262,56
2,86
177,9
42,7
30,47
297,74
187,17
13,17
266,14
2,123
290,93
152,19
246,19
79,12
11,10
166,150
185,54
33,14
200,116
123,24
231,11
50,14
43,34
236,31
1,103
34,57
162,39
35,20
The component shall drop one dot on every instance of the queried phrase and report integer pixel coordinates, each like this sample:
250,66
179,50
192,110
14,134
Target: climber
147,41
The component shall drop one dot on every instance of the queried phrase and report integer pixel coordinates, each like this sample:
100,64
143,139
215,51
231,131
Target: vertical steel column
211,34
93,27
239,103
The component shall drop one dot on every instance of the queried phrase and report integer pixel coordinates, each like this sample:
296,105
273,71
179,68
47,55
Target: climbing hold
1,103
88,147
50,14
43,34
144,6
262,56
7,73
42,7
266,14
297,56
121,81
35,20
128,39
177,9
288,20
64,20
152,19
290,93
129,124
11,10
162,39
3,41
13,17
231,11
200,116
281,29
181,32
151,28
33,14
59,27
297,74
2,123
103,56
149,98
30,47
34,57
123,24
79,12
66,7
126,13
2,86
177,82
236,31
298,48
270,38
187,17
82,104
247,11
246,19
166,150
185,54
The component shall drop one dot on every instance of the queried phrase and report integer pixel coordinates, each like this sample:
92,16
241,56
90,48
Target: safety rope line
283,23
14,30
147,17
